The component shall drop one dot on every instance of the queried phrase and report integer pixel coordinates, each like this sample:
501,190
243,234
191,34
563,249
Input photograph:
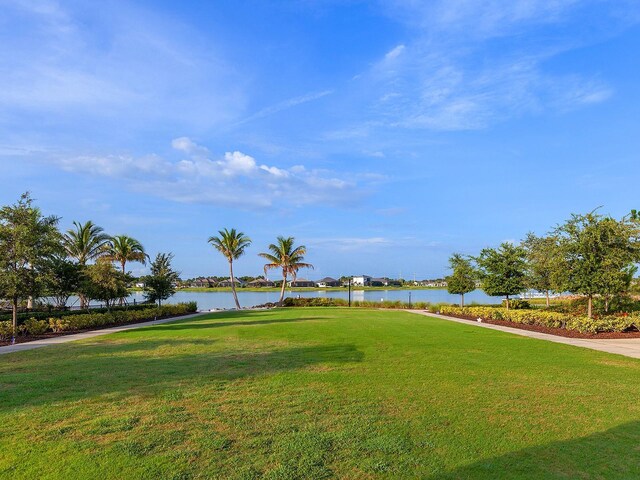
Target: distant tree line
592,255
37,259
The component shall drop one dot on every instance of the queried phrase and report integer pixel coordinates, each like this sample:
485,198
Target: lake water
214,300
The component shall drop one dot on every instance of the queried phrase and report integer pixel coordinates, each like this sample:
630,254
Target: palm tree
86,242
283,255
123,249
232,245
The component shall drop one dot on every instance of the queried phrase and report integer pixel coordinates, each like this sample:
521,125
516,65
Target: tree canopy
599,254
160,284
463,277
27,241
503,270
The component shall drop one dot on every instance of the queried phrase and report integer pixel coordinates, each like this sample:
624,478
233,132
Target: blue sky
384,135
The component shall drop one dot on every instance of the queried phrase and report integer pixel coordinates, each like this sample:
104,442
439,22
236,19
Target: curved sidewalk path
20,347
629,347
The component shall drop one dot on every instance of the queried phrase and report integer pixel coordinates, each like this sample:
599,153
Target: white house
361,280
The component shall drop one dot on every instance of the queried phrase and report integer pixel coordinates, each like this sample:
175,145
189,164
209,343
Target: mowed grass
318,393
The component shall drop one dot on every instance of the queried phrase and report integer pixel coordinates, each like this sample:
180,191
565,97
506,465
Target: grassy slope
311,393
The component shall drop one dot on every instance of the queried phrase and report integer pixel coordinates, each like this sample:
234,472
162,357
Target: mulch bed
31,338
560,332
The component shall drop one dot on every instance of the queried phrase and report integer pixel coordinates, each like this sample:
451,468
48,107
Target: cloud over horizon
234,179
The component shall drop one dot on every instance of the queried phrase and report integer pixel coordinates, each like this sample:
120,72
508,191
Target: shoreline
298,289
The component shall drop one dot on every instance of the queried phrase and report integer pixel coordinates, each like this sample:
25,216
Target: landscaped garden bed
555,323
36,329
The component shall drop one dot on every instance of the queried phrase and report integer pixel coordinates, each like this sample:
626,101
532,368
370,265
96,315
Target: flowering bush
83,321
34,327
543,318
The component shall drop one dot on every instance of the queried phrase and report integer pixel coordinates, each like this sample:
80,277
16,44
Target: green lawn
318,393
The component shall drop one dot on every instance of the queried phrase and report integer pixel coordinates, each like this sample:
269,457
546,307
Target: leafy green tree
232,245
103,282
62,279
545,265
160,284
285,256
27,241
600,254
503,270
463,277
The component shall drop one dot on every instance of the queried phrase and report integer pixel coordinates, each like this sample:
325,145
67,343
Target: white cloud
346,244
395,52
469,65
290,103
234,179
186,145
111,64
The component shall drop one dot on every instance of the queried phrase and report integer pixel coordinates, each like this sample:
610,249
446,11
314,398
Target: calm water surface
213,300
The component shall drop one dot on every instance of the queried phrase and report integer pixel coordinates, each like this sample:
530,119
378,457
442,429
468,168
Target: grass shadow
111,369
205,323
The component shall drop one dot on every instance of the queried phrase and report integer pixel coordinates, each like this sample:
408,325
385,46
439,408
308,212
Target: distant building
438,283
379,282
328,282
201,282
301,282
361,280
260,282
227,283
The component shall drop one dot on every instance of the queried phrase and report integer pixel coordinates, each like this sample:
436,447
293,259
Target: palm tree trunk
233,285
123,263
284,285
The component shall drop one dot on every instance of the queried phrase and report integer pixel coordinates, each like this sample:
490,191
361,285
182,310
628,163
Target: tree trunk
606,304
589,306
233,285
284,285
14,318
123,263
548,304
461,300
507,302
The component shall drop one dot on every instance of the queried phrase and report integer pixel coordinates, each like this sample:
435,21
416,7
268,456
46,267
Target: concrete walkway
629,347
20,347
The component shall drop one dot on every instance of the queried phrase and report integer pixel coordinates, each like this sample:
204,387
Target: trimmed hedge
83,321
314,302
45,315
581,324
339,302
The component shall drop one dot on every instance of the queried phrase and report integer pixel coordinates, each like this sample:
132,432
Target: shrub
34,327
96,320
6,330
517,304
546,318
314,302
45,314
